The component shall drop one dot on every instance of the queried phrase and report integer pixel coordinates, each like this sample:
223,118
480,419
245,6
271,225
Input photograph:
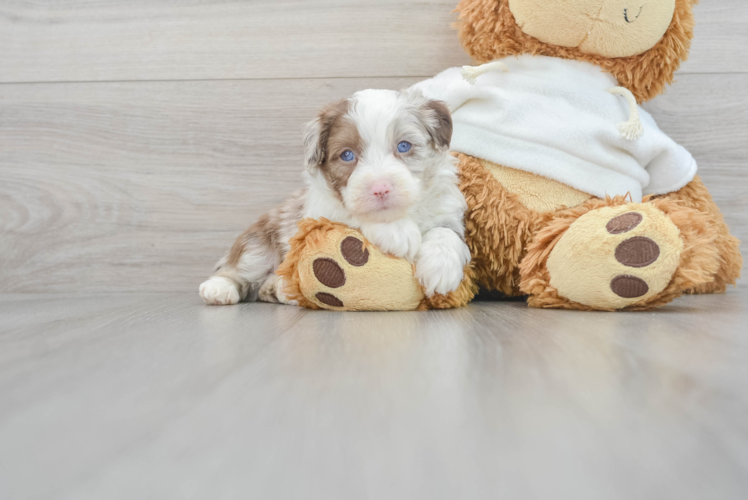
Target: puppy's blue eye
348,156
404,147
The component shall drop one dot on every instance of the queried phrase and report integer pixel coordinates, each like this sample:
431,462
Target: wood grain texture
143,186
198,39
158,396
191,129
106,40
709,116
720,37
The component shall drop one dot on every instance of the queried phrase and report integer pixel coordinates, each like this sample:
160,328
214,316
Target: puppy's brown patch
338,134
260,230
270,231
442,133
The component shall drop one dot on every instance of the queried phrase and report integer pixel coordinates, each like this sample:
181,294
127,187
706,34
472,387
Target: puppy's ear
435,117
439,123
317,134
314,150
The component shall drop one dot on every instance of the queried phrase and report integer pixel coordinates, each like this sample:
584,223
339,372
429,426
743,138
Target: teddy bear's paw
615,257
339,271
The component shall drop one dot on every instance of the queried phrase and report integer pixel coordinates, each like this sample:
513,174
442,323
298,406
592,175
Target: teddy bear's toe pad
629,287
614,257
339,272
624,223
638,252
353,253
329,300
328,272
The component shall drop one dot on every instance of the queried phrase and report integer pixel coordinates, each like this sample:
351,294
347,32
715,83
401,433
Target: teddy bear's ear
489,31
481,27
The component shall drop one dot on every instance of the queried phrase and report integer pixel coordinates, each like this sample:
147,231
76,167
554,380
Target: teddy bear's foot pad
637,252
337,270
332,275
614,257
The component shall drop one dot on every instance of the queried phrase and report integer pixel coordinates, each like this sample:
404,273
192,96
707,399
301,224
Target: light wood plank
143,186
720,37
176,40
708,114
106,40
158,396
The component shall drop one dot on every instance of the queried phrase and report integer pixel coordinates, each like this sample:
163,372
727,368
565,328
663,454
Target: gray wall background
139,137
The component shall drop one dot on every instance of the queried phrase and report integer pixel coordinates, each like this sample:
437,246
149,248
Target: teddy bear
577,200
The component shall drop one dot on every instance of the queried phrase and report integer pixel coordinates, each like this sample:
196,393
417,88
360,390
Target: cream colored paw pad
340,273
331,275
614,257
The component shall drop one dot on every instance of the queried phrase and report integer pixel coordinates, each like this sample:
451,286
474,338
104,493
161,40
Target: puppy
377,162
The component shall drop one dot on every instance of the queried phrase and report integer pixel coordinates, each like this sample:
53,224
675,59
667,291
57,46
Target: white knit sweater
555,118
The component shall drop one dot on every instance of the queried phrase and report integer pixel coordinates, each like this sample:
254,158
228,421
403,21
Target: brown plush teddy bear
576,199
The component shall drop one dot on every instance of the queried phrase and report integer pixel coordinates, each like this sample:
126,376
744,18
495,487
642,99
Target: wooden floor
153,396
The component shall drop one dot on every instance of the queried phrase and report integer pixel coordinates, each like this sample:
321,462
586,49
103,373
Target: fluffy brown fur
489,31
511,244
698,264
695,195
498,227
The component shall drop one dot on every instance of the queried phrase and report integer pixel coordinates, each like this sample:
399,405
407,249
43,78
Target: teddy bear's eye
627,15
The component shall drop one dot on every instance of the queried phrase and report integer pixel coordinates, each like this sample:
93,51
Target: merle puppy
378,162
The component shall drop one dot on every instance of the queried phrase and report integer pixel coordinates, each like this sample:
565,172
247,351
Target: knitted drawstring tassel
471,73
632,129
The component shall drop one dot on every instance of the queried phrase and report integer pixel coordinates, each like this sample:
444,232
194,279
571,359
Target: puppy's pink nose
381,190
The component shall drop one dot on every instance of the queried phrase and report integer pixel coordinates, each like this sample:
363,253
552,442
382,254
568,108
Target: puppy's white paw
219,292
441,262
400,239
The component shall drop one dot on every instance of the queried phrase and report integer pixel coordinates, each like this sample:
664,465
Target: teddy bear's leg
498,227
613,255
331,266
695,195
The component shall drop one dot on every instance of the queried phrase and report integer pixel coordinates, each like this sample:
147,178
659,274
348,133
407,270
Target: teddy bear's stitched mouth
626,15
